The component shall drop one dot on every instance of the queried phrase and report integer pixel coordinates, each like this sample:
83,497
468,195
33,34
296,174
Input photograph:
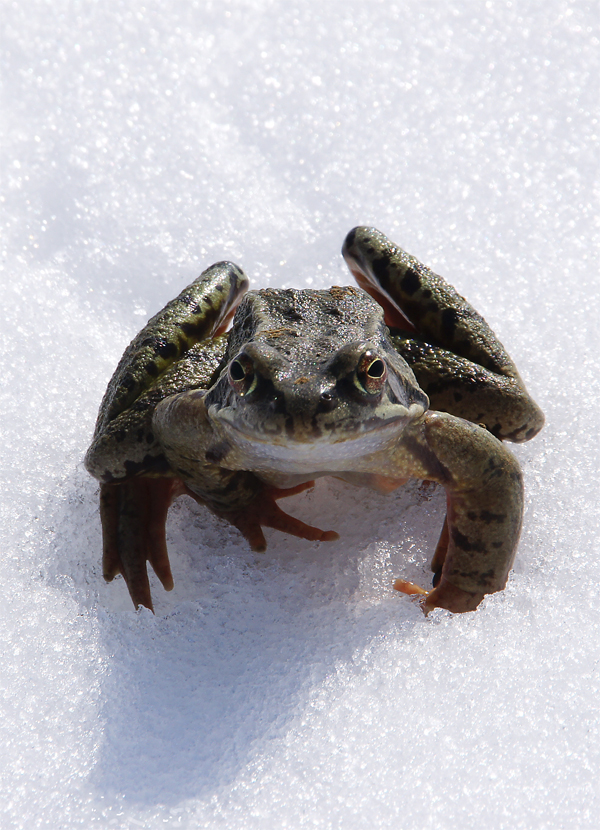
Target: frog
240,398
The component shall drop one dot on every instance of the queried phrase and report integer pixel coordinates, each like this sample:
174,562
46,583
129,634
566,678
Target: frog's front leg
134,513
216,476
263,511
483,482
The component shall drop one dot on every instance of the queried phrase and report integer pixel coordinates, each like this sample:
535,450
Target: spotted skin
466,389
200,312
456,357
126,445
314,383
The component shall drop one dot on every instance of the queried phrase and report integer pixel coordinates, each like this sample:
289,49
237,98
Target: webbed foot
133,518
264,512
444,595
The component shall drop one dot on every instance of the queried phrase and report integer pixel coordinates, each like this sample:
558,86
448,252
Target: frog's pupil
376,369
237,371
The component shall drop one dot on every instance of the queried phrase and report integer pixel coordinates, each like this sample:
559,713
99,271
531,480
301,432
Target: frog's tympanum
400,378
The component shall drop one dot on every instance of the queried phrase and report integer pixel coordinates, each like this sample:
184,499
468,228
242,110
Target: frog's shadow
229,660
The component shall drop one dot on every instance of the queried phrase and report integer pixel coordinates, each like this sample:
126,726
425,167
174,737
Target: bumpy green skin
458,360
176,350
313,383
485,498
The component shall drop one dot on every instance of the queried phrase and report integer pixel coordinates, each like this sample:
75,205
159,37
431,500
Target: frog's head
311,375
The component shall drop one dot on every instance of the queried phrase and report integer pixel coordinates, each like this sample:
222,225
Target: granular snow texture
295,689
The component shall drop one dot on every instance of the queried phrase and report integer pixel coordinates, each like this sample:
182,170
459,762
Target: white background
296,689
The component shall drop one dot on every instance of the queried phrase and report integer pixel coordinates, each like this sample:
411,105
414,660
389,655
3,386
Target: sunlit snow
295,689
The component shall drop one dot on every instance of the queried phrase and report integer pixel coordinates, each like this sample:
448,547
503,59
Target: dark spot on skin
150,463
217,453
427,293
449,320
381,267
293,315
218,287
488,517
128,381
152,369
484,578
120,435
133,467
496,545
190,329
289,427
492,469
461,541
457,397
166,350
411,282
139,435
316,430
150,438
433,307
512,436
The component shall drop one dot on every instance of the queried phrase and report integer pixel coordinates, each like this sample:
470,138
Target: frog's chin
337,450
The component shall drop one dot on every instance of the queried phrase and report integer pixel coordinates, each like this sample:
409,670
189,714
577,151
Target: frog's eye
371,373
241,375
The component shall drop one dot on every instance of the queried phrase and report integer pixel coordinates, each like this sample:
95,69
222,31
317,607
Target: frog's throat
334,451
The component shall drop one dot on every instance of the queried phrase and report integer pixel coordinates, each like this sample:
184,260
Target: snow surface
295,689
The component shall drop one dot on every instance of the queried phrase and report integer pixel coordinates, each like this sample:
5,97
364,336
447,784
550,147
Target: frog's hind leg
133,516
432,306
463,388
456,357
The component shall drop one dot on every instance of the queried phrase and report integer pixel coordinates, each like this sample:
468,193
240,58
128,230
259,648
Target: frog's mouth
281,447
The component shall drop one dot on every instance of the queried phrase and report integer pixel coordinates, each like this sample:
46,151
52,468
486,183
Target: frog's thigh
126,447
467,390
485,505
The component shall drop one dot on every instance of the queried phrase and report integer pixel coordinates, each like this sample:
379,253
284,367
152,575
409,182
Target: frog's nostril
326,401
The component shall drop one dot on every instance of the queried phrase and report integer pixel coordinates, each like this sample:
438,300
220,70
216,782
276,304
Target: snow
295,689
